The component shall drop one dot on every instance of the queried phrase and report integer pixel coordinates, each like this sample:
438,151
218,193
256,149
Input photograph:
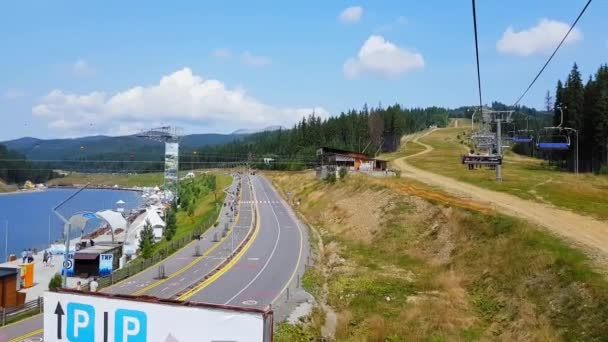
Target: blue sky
71,68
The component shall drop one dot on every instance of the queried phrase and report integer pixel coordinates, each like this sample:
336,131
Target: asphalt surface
180,268
266,268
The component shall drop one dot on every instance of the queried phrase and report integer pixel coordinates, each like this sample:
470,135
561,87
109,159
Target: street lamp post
67,227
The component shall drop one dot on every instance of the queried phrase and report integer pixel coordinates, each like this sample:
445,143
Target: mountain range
75,148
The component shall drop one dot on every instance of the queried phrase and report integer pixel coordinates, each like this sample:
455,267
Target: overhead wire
477,54
553,54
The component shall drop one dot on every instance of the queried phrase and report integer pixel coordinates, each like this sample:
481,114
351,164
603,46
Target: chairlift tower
498,117
171,136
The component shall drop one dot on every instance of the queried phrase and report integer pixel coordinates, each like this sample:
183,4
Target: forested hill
86,147
369,130
15,169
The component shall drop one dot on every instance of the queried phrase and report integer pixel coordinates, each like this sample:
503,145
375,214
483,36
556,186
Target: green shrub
331,177
55,282
343,172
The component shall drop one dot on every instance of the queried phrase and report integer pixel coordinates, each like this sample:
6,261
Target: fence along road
177,268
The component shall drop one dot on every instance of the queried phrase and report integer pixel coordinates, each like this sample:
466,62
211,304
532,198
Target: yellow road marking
20,321
190,265
230,264
182,270
163,260
30,334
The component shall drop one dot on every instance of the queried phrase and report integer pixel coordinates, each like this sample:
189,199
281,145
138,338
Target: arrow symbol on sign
59,312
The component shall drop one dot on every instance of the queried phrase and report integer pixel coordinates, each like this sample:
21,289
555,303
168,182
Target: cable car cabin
553,142
475,159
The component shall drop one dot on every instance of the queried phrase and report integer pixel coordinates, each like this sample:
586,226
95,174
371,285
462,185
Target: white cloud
222,53
542,38
13,94
351,14
81,68
179,98
252,60
382,58
400,21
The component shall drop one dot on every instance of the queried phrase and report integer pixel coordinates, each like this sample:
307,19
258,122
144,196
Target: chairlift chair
523,136
553,139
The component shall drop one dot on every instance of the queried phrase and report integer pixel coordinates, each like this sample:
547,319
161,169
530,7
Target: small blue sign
69,270
130,326
106,264
89,215
81,322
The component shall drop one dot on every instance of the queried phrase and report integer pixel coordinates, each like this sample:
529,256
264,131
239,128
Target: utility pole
67,227
6,242
499,148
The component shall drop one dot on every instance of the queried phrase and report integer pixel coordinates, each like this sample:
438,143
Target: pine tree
574,99
171,224
146,240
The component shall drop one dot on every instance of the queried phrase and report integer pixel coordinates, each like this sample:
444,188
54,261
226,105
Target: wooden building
354,161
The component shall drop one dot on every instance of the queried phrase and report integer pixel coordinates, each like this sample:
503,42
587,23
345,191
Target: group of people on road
27,256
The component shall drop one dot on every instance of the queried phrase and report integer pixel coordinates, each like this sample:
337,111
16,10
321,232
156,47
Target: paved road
260,275
182,268
269,264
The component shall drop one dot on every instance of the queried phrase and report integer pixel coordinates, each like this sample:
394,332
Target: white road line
276,243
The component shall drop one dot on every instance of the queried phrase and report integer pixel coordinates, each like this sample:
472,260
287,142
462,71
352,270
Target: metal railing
8,315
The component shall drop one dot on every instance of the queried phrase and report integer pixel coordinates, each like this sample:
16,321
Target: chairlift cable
477,56
553,54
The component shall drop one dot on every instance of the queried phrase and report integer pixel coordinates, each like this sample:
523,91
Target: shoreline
72,186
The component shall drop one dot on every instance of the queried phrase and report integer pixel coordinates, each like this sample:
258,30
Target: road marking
122,283
295,269
253,259
30,334
190,265
250,302
276,244
226,267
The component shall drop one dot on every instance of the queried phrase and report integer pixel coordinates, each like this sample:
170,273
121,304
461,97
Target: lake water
28,214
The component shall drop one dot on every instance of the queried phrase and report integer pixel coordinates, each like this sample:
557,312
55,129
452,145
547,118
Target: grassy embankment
205,210
399,267
523,177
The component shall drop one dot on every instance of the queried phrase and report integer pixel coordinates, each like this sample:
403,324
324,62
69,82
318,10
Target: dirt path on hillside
583,230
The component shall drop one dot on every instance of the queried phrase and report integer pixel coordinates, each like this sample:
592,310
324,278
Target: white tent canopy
113,218
150,215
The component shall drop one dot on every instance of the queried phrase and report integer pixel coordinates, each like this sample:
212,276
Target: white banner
79,317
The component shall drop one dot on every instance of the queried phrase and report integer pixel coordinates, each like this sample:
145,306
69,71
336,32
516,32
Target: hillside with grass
527,178
400,261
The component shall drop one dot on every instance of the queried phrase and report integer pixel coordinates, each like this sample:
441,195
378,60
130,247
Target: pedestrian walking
30,255
23,256
45,258
79,286
93,285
